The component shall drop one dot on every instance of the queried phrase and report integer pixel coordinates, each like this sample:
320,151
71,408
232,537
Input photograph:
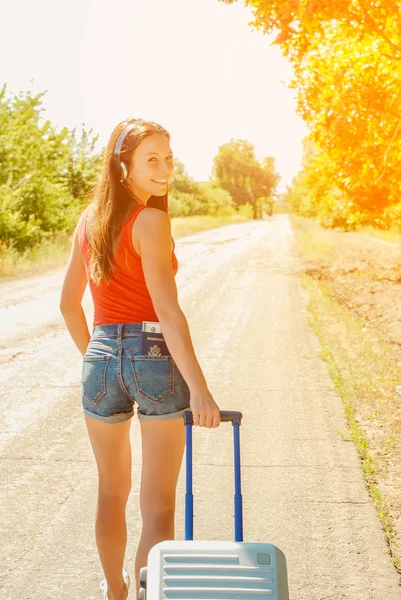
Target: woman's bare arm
153,231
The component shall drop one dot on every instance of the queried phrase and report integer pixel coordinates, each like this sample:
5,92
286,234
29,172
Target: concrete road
303,485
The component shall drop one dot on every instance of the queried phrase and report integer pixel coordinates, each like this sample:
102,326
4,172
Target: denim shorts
115,375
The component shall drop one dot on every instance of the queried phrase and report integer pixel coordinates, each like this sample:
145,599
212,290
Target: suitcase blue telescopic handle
234,417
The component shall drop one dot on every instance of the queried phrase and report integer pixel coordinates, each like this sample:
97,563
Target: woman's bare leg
163,443
112,449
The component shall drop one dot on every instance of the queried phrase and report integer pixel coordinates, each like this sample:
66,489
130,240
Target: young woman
123,246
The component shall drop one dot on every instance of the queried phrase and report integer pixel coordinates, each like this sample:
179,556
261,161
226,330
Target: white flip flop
103,584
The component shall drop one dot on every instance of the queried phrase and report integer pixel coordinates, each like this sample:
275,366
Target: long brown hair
113,200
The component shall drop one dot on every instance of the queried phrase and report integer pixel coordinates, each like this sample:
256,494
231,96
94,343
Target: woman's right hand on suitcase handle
205,412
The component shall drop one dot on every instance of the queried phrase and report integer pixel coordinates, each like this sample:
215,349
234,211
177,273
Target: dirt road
303,485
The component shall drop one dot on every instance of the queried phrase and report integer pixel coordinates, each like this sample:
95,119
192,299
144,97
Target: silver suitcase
214,570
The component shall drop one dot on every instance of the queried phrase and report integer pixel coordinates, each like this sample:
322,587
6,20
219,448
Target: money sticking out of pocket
151,326
153,344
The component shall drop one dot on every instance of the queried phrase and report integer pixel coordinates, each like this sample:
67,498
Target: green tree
41,178
83,163
236,169
185,194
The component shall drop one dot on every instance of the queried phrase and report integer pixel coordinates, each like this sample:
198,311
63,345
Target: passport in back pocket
153,344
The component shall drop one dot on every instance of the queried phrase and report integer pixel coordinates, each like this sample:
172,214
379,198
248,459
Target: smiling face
151,160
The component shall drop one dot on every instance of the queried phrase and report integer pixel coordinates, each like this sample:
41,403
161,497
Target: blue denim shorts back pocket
94,377
116,375
154,376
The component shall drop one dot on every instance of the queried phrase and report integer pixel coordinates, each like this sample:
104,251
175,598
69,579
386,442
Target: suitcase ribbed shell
200,570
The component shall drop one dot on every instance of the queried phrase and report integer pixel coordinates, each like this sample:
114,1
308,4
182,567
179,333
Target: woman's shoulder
150,223
153,219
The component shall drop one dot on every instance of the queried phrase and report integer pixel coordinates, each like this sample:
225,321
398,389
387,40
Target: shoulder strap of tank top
127,226
135,212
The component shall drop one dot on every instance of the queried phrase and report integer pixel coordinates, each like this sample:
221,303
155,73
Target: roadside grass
54,253
316,246
183,226
392,235
311,238
362,367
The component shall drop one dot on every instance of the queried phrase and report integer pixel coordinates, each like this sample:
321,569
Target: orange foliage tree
346,56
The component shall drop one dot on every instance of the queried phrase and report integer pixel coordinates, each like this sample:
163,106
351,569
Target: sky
194,66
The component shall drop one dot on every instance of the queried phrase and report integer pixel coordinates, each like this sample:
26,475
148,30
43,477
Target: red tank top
126,299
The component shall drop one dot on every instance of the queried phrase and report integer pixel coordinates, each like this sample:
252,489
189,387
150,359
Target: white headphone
116,154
